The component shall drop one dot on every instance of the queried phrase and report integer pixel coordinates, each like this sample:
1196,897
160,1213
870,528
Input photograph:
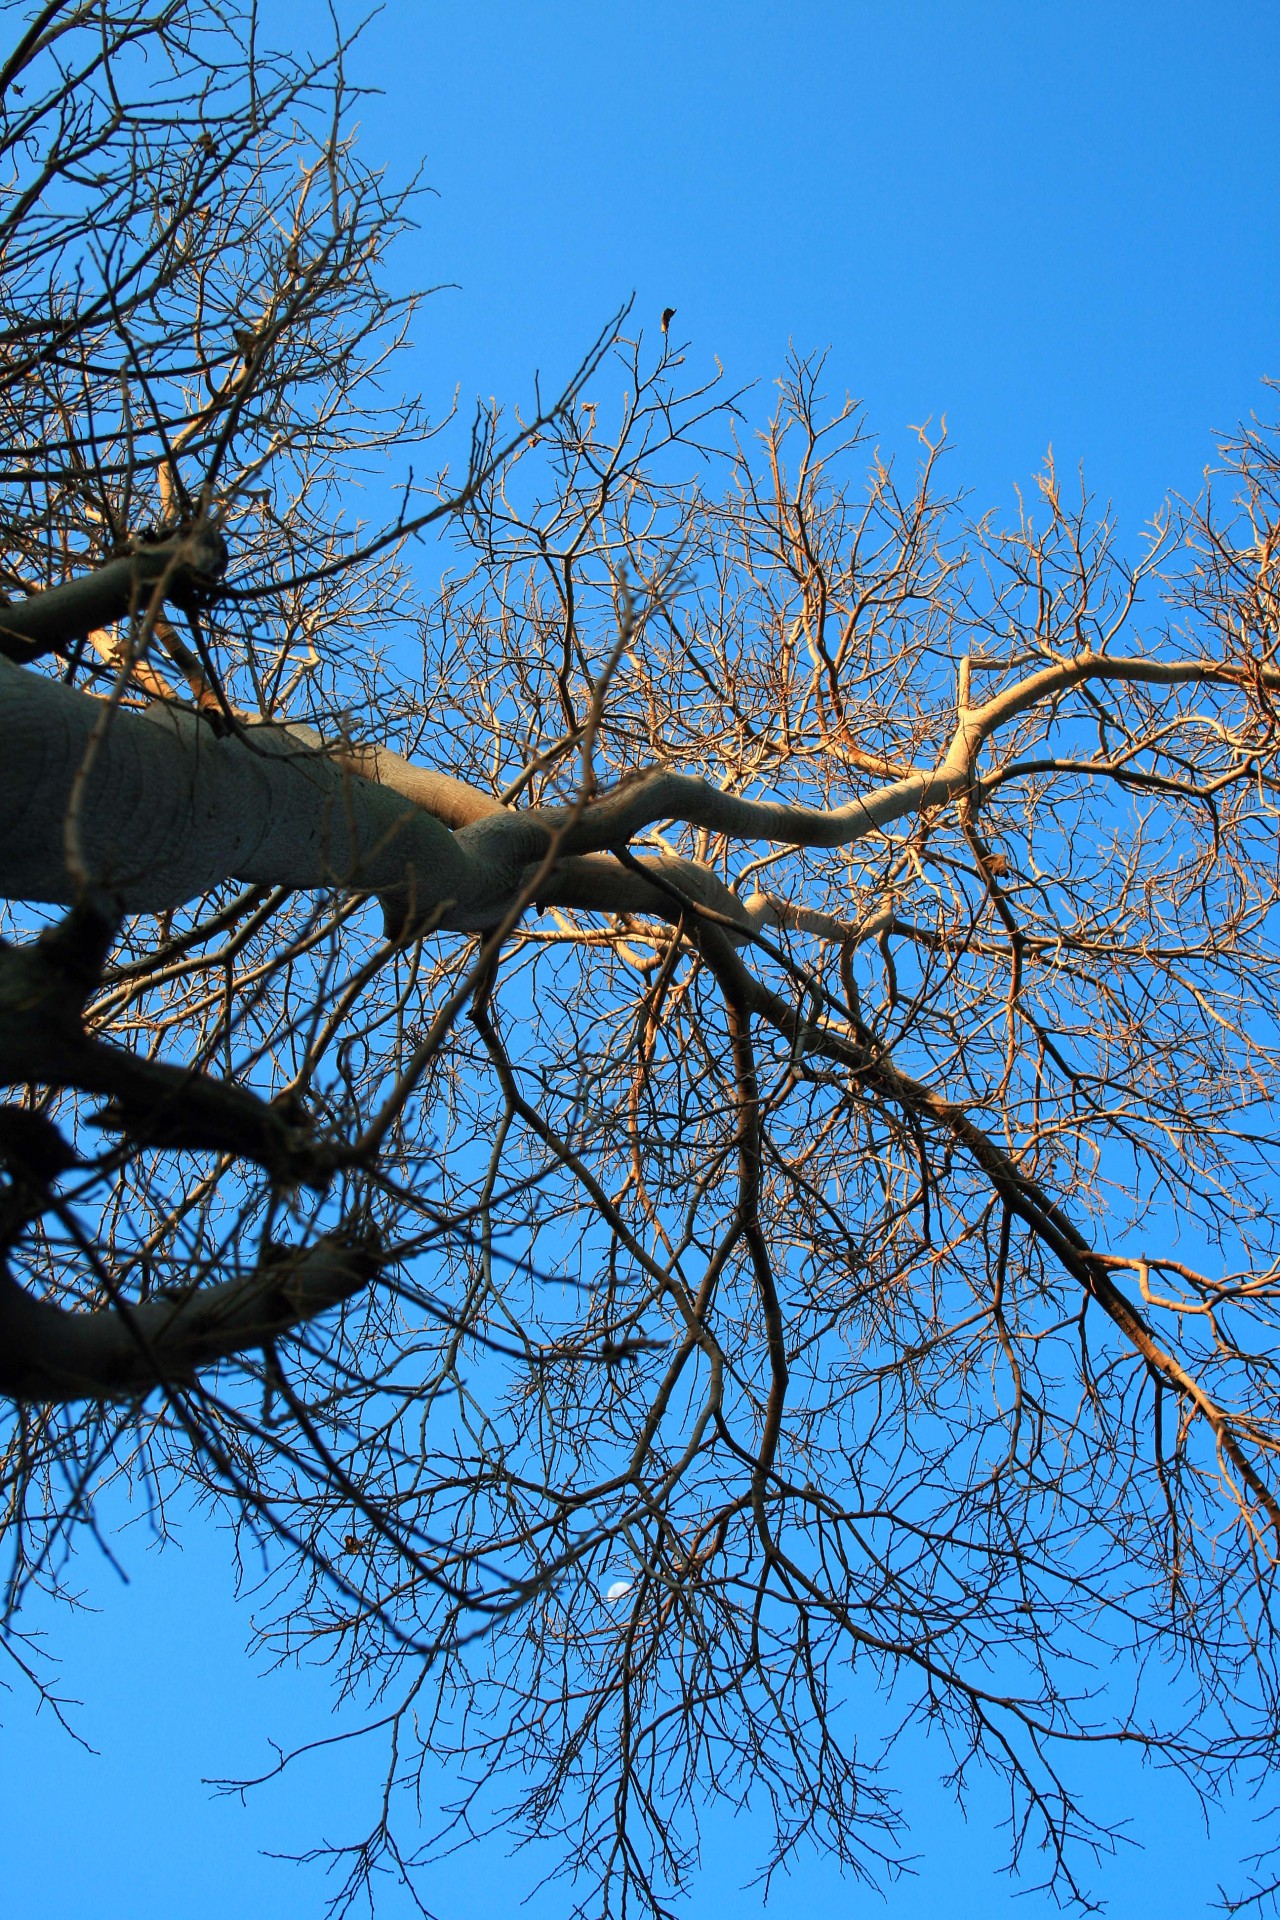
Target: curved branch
171,810
655,794
43,989
187,566
50,1354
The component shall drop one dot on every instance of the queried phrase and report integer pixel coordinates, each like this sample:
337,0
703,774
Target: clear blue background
1054,224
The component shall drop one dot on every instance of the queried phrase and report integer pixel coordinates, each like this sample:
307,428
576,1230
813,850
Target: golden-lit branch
757,994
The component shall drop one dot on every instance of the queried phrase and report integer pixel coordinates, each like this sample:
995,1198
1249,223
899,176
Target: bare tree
685,1125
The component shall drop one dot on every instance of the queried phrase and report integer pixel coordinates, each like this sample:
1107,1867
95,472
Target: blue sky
1053,224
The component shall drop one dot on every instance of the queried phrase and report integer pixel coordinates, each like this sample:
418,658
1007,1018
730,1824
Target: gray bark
169,809
51,621
50,1354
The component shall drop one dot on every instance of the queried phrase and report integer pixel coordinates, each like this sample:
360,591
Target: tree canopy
656,1061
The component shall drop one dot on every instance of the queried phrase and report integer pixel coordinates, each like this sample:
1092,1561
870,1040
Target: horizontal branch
43,988
654,795
169,809
165,809
189,566
54,1355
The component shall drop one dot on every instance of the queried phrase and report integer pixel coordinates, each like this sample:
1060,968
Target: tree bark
50,1354
50,622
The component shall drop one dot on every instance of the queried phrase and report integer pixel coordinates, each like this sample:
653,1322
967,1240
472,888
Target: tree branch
189,566
52,1355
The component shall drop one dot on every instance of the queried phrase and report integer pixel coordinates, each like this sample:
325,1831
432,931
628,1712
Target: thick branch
597,883
190,566
50,1354
43,989
167,809
454,801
